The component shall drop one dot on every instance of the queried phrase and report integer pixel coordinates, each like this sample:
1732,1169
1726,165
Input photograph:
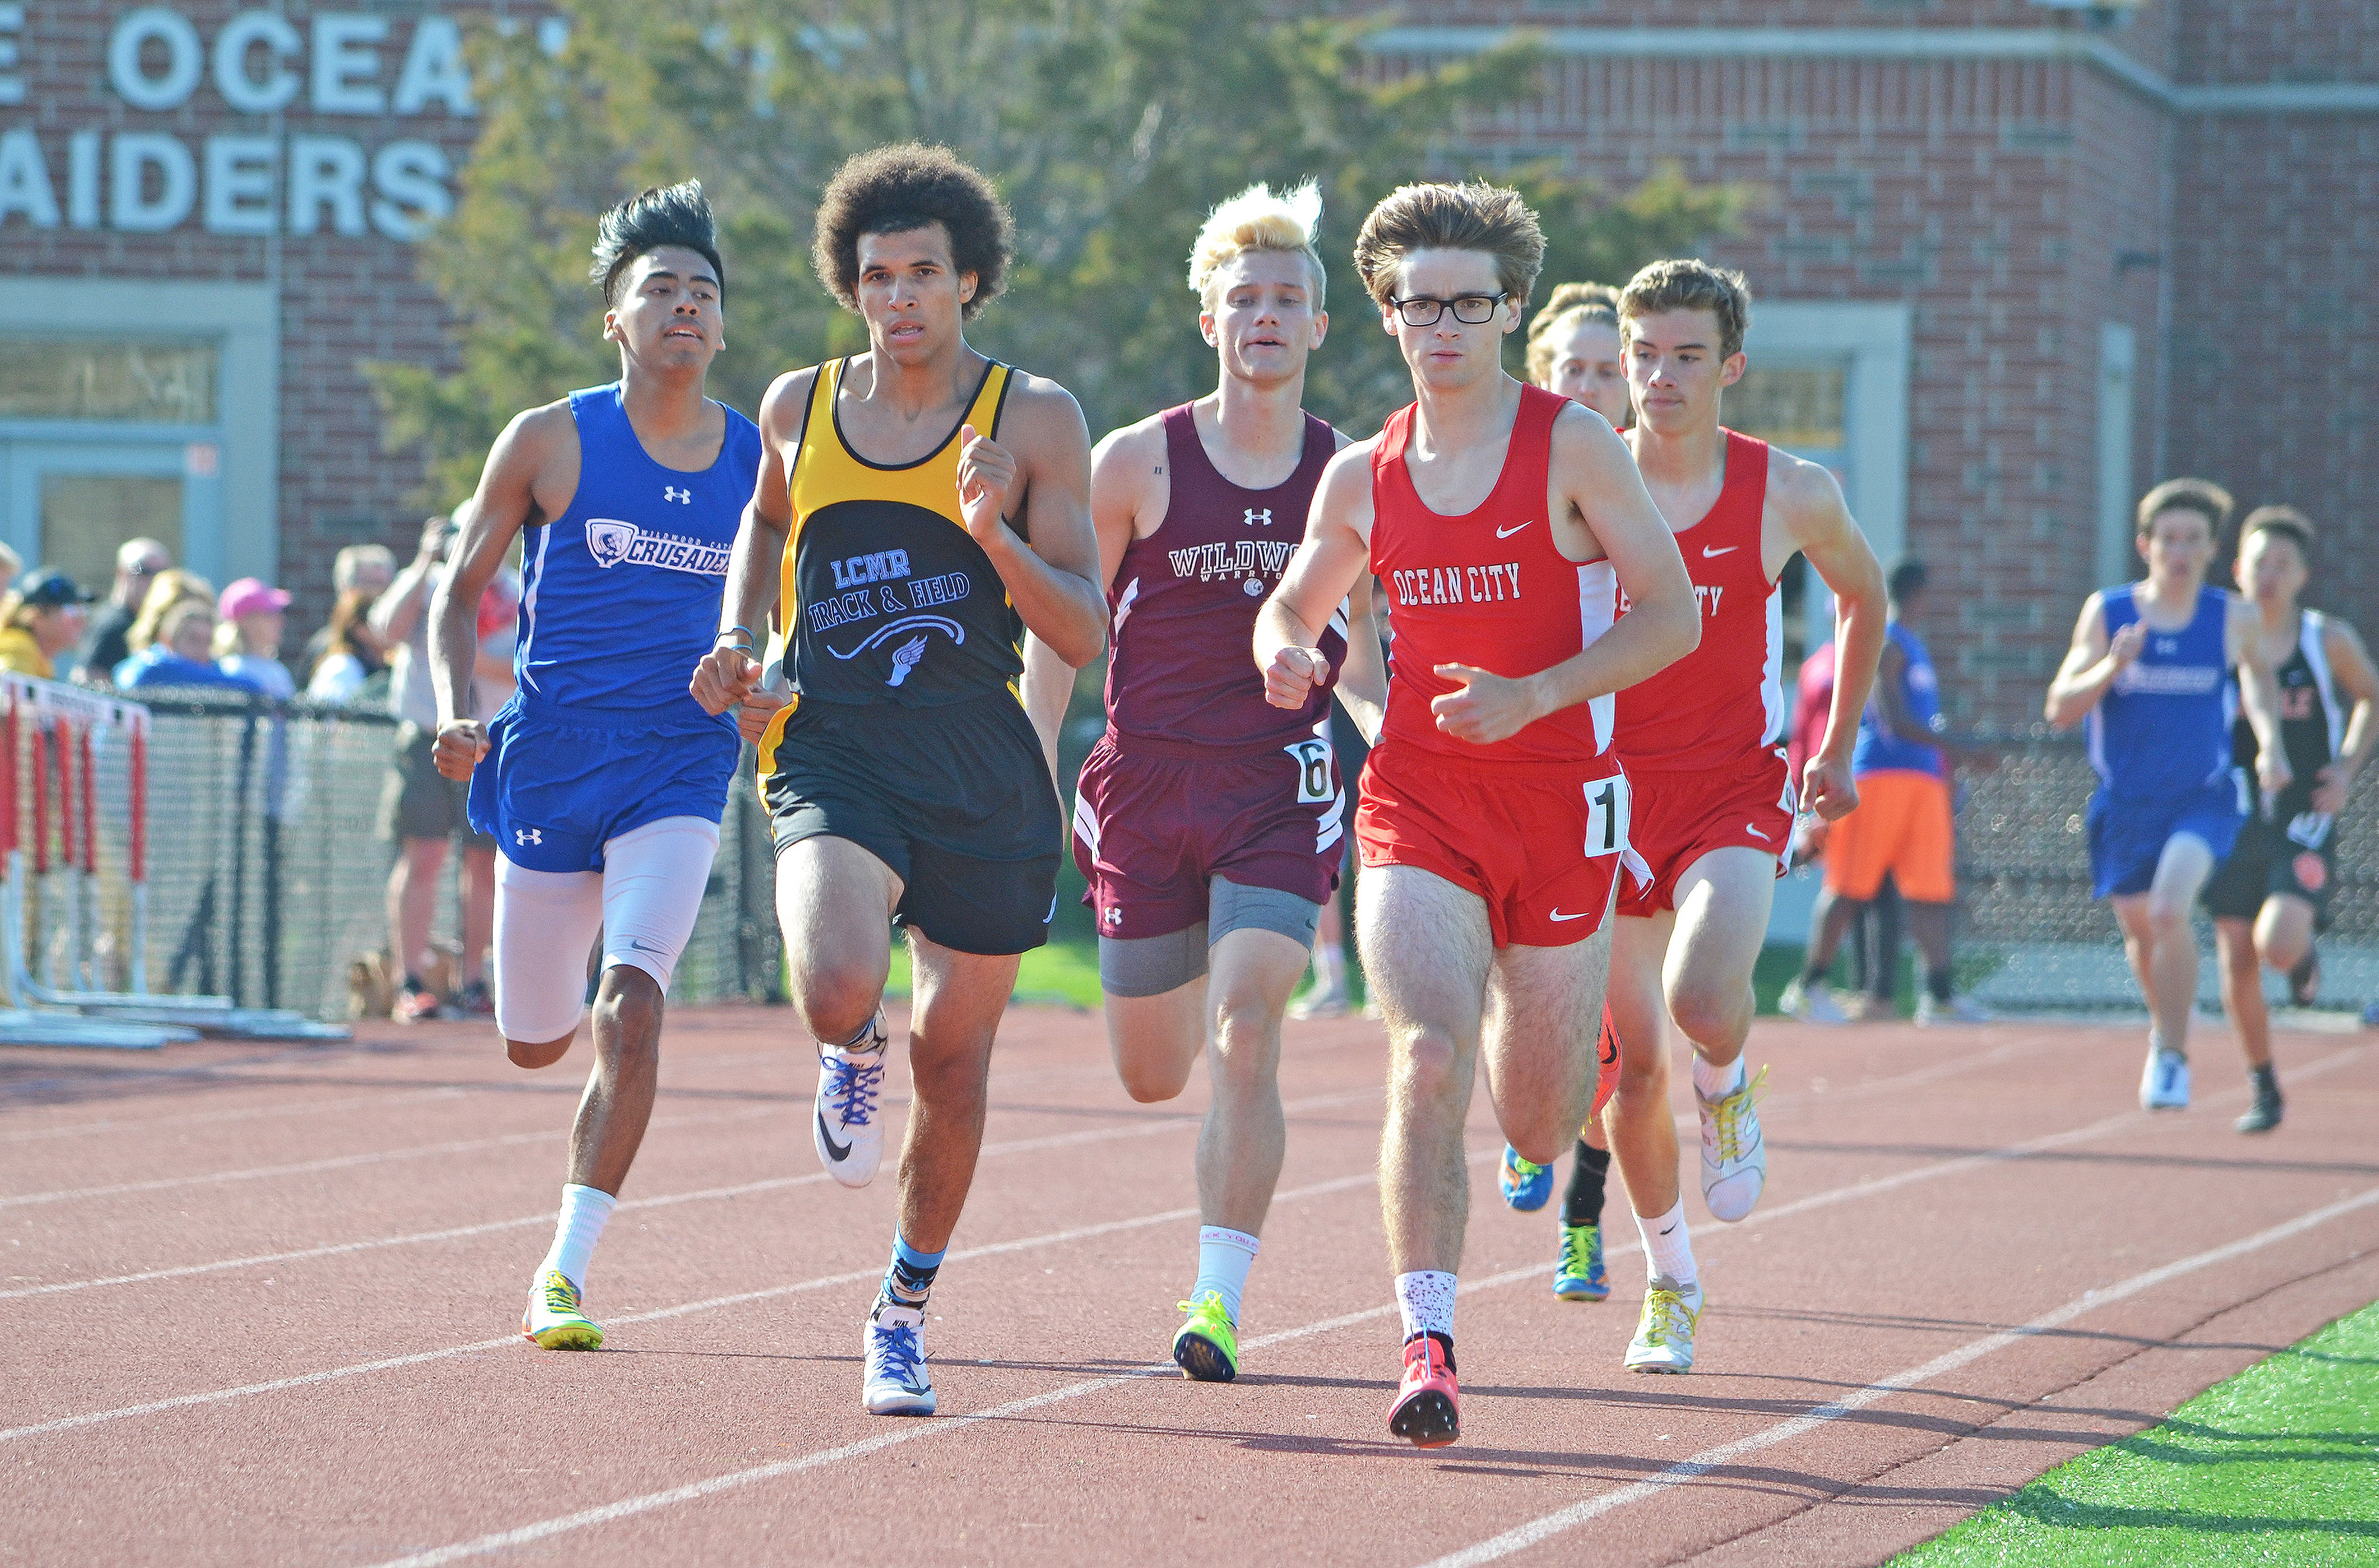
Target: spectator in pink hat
248,636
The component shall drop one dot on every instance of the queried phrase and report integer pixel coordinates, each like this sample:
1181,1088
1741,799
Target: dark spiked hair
894,191
658,215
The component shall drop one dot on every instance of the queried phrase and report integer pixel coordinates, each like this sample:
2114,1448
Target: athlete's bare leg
1544,1005
1722,901
1427,946
2158,939
1233,1011
2284,931
618,1103
959,998
834,903
1643,1130
2242,988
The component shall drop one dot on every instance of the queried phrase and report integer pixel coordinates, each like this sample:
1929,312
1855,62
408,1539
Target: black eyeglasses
1470,309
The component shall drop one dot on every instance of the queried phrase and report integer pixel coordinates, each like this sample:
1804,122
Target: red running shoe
1426,1412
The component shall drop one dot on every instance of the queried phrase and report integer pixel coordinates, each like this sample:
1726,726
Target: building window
130,381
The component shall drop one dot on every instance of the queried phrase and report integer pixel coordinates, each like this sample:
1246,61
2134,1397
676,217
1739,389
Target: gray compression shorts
1149,966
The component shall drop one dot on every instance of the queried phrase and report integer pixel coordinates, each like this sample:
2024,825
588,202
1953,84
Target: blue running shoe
1526,1185
1579,1274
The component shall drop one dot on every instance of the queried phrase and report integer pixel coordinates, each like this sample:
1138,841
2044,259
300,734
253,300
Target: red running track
259,1306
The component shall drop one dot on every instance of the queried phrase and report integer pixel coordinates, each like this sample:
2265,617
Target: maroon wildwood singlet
1183,604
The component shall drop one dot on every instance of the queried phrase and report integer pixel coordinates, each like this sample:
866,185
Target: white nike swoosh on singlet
1507,533
1755,833
1710,551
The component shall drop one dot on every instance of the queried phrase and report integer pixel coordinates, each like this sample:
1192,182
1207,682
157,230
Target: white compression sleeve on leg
546,922
653,880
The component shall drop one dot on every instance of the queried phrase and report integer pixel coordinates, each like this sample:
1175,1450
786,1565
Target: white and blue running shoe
847,1128
893,1347
2164,1083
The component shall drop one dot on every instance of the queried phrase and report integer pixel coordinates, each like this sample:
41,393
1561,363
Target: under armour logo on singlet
684,498
528,835
1259,517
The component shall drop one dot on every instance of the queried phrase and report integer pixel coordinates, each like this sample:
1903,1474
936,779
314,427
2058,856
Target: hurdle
56,738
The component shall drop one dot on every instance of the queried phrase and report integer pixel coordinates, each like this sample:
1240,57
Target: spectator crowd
164,627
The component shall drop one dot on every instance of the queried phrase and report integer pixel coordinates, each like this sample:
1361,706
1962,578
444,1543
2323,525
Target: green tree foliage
1110,128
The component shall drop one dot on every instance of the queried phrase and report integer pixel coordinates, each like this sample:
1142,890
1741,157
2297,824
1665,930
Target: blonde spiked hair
1260,218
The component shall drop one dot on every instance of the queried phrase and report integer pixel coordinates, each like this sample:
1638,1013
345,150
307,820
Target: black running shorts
955,799
2276,858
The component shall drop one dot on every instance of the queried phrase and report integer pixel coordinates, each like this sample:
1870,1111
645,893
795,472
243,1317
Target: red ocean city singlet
1487,589
1726,698
1184,600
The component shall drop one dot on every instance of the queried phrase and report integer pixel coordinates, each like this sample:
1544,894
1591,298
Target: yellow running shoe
553,1321
1207,1347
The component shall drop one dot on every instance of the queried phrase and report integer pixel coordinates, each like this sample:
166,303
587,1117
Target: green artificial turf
2280,1464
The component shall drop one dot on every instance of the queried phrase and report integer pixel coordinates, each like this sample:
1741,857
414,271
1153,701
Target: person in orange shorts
1902,826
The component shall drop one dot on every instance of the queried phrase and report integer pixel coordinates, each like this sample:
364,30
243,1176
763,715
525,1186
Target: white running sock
583,1210
1329,970
1223,1258
1425,1296
1717,1083
1668,1245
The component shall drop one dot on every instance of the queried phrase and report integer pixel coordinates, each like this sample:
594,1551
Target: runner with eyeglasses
1504,521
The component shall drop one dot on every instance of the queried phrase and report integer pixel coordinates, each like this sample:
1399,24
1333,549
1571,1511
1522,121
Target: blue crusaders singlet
620,594
2162,732
620,602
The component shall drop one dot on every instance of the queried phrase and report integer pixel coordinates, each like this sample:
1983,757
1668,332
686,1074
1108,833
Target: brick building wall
2275,233
345,297
2018,205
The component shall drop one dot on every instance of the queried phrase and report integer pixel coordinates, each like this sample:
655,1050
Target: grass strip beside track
2279,1465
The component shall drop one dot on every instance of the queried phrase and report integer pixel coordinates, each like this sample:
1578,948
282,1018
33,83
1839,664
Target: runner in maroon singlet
1208,821
1494,815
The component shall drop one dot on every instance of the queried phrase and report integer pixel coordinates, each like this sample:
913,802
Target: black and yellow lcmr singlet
906,734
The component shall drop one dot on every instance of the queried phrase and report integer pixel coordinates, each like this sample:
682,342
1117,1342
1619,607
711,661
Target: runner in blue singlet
602,781
2147,668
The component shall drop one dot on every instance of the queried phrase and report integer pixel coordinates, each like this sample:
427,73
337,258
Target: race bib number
1312,759
1606,816
2310,828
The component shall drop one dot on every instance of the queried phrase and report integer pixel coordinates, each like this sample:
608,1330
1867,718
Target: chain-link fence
268,879
2024,876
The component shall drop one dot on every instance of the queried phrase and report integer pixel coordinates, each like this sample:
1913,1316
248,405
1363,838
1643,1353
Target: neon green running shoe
1578,1274
553,1320
1207,1347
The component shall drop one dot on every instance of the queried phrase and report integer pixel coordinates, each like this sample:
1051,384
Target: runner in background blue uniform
602,781
2148,668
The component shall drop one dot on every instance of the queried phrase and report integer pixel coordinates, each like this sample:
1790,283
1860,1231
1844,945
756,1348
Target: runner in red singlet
1501,520
1703,744
1209,823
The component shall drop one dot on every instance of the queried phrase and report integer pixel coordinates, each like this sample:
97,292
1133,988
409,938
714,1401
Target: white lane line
823,1282
1537,1531
138,1125
742,1190
734,1480
229,1079
343,1161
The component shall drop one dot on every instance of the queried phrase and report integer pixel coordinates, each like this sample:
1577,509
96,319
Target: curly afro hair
895,189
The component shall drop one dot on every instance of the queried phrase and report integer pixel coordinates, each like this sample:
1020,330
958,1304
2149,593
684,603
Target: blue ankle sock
910,1278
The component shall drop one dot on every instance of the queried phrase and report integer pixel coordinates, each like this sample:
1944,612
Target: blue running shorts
2127,836
559,782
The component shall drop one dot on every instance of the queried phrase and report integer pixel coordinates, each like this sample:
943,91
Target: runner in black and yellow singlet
906,735
919,510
